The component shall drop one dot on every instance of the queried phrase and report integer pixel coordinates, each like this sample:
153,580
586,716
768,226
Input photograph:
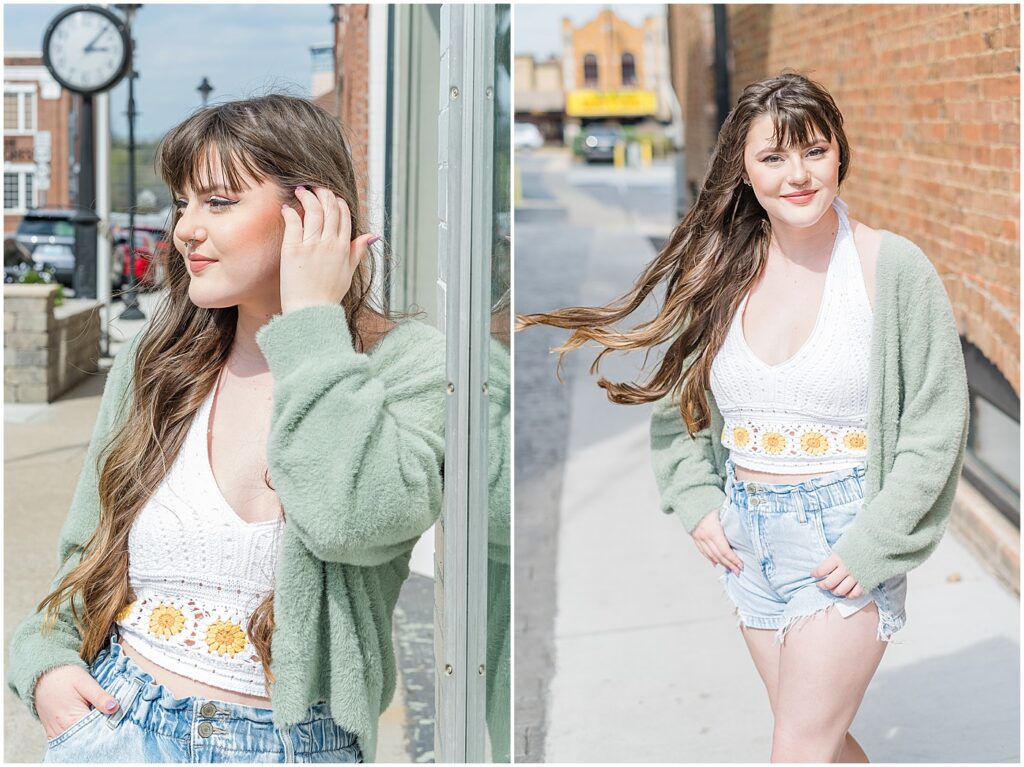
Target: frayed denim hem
888,623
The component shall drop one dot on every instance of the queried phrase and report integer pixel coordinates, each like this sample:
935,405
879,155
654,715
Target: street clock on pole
87,49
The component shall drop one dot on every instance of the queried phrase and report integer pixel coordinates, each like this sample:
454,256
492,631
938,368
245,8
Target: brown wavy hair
713,256
289,141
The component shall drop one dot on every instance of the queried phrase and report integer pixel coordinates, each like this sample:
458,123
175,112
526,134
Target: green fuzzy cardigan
355,452
917,428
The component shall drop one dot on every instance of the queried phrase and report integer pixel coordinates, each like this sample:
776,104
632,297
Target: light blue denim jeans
783,531
152,725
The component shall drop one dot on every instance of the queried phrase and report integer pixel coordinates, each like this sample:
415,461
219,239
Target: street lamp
204,90
131,296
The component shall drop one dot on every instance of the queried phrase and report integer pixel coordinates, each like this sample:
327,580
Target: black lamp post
204,90
131,296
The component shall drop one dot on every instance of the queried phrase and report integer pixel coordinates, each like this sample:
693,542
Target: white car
528,136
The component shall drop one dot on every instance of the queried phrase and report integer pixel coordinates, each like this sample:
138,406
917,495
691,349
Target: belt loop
801,506
289,746
125,702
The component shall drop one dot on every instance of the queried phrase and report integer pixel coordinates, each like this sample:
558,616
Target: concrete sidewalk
44,447
650,665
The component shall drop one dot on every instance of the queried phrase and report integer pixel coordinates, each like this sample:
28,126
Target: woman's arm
33,653
684,466
904,522
356,445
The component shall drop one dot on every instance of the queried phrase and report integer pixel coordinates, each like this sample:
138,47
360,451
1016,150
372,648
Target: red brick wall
930,95
691,37
354,66
350,101
53,116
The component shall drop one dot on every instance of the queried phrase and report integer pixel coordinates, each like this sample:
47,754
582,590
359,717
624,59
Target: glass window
499,365
10,111
10,191
992,462
30,183
28,103
590,70
628,69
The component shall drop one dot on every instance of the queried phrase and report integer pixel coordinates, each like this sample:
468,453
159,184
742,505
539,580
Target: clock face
86,49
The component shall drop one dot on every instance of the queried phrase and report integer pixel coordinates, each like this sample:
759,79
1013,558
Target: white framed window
20,105
19,189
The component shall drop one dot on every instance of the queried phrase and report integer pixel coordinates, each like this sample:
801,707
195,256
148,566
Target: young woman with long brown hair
268,451
811,405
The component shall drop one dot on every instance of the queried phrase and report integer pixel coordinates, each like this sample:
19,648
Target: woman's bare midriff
749,475
182,687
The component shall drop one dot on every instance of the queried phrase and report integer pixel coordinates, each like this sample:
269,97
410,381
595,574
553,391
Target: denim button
752,488
755,501
205,729
208,709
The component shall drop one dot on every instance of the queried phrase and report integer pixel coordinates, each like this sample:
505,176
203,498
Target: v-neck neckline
819,319
208,462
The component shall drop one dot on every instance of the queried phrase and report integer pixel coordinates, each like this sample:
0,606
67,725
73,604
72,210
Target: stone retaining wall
47,349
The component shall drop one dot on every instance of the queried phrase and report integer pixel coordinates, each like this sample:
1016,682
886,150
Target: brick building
343,87
37,110
539,94
930,96
611,68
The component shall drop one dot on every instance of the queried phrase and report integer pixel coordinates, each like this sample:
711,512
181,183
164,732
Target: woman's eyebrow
218,188
819,140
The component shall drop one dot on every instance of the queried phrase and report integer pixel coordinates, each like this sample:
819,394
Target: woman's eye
819,150
179,204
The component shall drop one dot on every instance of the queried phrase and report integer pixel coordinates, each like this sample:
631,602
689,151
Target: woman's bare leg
852,753
825,667
766,654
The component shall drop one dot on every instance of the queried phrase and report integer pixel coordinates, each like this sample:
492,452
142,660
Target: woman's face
776,173
235,255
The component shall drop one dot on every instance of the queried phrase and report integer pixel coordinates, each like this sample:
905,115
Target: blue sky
537,29
243,50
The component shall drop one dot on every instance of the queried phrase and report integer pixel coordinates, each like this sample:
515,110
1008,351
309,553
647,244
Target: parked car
148,243
599,142
528,136
18,262
49,236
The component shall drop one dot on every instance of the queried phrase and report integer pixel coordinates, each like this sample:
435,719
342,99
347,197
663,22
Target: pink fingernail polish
373,240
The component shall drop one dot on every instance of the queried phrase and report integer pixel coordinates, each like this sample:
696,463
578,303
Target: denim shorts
783,531
152,725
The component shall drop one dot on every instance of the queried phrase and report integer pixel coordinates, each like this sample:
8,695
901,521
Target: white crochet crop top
809,413
198,571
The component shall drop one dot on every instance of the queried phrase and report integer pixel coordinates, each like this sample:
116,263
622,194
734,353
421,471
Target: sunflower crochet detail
856,440
814,443
225,637
166,621
124,612
773,442
740,436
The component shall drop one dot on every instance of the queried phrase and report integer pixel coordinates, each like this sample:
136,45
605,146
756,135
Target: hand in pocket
64,695
709,537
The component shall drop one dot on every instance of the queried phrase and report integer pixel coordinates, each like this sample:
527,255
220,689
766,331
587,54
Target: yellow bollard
646,152
620,154
517,187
